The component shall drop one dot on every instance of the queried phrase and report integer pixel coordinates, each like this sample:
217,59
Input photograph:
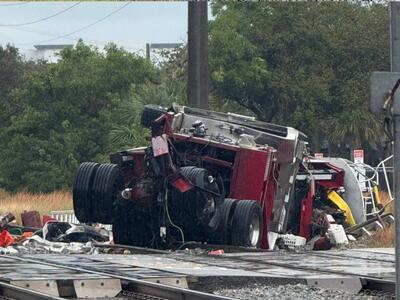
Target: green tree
169,87
128,132
67,110
304,65
11,76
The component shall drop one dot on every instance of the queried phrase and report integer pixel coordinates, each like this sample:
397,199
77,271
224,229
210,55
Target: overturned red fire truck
215,178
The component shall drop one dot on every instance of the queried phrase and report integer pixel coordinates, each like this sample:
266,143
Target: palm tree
354,127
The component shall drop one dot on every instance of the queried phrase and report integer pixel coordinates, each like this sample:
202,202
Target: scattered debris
36,244
53,237
6,239
31,219
6,219
292,242
54,231
216,252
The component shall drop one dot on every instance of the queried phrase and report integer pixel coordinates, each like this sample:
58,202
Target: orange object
27,234
6,239
216,252
20,238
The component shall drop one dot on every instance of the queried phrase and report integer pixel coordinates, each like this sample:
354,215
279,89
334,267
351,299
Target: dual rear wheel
241,224
95,190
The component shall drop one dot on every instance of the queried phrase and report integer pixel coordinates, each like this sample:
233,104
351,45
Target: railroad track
340,266
259,259
256,261
378,256
138,289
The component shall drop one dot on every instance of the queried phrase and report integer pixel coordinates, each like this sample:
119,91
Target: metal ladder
369,199
368,184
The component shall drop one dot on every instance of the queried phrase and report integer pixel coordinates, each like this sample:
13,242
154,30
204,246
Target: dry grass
386,237
44,203
385,199
383,238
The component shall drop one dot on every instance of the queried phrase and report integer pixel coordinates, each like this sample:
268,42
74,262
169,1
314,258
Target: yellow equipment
342,205
377,196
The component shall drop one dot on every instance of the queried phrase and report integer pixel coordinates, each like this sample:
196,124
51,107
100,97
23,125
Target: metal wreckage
225,179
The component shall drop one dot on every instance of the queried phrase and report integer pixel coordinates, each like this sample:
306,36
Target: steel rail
141,286
370,281
304,268
256,250
353,256
260,265
20,293
251,250
389,285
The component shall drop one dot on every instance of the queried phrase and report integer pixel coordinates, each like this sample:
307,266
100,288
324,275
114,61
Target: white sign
358,155
318,155
160,145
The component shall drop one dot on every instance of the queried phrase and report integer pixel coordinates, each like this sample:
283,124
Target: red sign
359,153
318,155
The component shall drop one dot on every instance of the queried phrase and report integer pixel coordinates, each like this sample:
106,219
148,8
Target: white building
49,53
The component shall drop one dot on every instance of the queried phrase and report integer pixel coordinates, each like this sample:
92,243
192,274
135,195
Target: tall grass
43,203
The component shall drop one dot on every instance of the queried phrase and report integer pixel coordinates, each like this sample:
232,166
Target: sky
130,25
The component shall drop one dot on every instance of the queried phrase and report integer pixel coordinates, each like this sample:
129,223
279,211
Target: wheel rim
254,230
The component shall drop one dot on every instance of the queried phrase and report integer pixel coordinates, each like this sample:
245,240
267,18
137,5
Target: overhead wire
15,4
48,34
82,28
70,38
42,19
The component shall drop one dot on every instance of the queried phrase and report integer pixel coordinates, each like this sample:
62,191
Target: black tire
121,224
247,224
131,225
198,176
223,233
107,186
150,113
140,234
82,191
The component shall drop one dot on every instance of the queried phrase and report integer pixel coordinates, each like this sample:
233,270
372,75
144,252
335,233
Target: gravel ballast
259,291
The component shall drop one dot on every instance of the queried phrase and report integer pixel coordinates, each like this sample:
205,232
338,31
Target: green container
15,231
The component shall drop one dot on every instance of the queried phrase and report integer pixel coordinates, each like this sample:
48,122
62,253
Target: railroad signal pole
395,67
197,84
385,98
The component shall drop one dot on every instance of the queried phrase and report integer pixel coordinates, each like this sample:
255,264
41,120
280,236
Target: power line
48,34
42,19
82,28
16,4
71,38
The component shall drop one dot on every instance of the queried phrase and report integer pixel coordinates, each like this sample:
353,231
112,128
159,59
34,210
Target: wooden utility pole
197,84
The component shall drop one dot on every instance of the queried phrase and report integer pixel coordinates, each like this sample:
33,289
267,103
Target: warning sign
358,155
318,155
160,145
